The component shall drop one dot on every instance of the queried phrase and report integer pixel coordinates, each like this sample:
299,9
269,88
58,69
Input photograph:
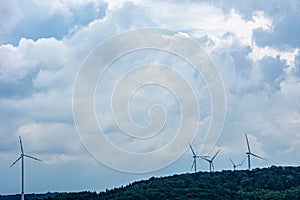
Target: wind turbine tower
249,153
22,166
194,165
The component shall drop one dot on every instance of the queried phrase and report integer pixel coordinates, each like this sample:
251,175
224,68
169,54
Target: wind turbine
237,165
194,165
211,164
22,160
249,153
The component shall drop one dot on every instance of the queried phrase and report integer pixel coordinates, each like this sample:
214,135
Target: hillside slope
268,183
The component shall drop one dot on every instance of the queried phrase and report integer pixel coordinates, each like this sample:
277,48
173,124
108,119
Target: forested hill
268,183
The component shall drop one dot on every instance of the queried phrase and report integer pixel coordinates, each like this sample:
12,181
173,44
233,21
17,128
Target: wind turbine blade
257,156
192,166
243,161
192,150
21,145
215,154
16,161
32,157
247,143
232,162
205,159
213,167
238,165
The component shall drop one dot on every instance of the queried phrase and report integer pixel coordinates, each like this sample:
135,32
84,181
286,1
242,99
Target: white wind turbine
249,153
210,161
194,165
237,165
22,165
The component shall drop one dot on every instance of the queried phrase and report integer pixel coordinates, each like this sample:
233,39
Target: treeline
271,183
268,183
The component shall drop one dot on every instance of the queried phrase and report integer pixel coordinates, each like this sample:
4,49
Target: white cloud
50,138
207,19
288,56
115,4
10,14
34,19
29,56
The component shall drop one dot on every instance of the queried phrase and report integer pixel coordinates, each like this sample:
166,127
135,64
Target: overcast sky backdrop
254,45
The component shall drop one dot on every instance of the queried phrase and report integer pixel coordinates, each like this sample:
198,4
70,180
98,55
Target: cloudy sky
254,45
